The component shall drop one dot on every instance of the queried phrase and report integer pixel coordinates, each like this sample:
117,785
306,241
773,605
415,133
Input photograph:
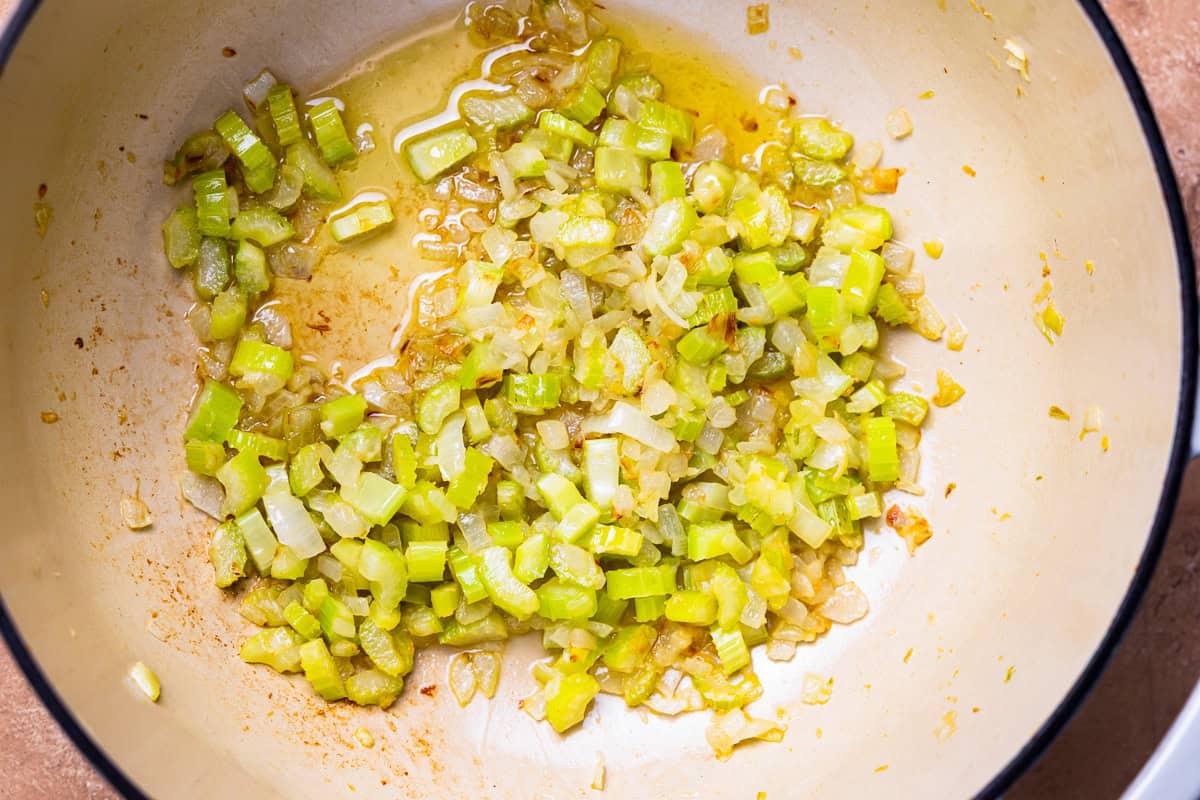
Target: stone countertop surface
1150,675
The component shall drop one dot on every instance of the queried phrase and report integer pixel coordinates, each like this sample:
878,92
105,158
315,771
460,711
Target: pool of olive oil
353,312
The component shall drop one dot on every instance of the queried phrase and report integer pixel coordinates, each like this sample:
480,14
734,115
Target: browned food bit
758,18
911,526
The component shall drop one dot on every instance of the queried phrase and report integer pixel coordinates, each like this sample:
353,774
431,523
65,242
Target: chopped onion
203,492
135,513
474,530
847,605
451,450
292,525
630,421
330,567
295,261
257,89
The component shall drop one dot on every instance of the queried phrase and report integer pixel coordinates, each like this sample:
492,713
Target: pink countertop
1151,674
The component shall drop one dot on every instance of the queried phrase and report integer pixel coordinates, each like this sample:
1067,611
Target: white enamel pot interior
975,650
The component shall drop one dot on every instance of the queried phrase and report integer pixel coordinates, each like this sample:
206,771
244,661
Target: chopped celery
495,112
666,181
181,237
619,170
214,413
584,104
212,203
557,124
319,180
251,357
250,268
560,600
433,154
360,220
601,61
266,226
258,162
284,116
321,670
568,705
658,116
330,132
817,137
669,227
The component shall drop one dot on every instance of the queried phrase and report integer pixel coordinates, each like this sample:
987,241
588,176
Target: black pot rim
1180,454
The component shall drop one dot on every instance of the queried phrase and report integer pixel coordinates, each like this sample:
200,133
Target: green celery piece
284,116
330,132
659,116
390,656
426,561
556,123
263,224
818,138
371,687
619,170
437,404
258,162
692,607
489,629
466,487
286,566
560,600
666,181
584,104
227,552
228,314
301,621
700,347
212,203
360,220
181,237
321,670
204,457
436,153
244,480
250,268
495,112
568,705
342,415
532,558
278,648
860,286
214,414
862,227
320,181
652,144
260,540
531,394
444,599
375,497
649,609
883,460
817,174
628,648
251,357
601,61
906,407
503,587
669,227
212,268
